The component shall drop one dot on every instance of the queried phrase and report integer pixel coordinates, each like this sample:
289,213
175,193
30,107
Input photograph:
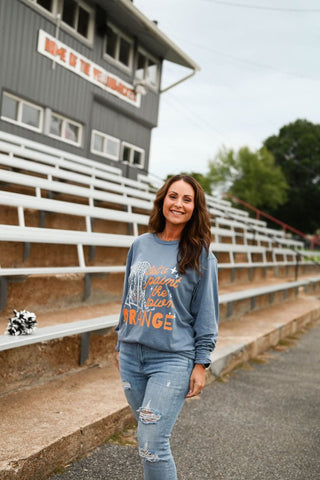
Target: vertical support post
84,347
21,216
87,287
80,255
3,292
296,267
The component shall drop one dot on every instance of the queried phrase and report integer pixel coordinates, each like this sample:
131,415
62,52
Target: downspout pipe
180,81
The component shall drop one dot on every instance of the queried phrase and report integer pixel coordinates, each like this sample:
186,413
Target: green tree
250,176
203,179
296,149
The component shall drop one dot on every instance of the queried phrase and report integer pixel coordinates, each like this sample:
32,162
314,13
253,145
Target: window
23,113
48,5
79,17
75,15
119,47
132,155
65,129
28,115
147,69
105,145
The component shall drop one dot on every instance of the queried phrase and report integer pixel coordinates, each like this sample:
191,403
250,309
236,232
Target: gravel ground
260,423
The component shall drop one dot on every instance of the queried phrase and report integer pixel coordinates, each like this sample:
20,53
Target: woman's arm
205,311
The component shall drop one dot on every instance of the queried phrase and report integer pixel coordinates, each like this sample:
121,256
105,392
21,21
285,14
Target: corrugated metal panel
30,75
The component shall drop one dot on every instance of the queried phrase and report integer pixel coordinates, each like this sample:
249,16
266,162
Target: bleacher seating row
43,190
103,324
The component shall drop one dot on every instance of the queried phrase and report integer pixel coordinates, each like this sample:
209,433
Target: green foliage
204,180
282,178
296,149
251,176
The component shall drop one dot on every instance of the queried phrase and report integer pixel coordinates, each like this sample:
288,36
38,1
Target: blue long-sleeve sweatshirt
165,310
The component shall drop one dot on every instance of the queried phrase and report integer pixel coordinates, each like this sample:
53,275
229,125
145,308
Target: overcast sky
260,70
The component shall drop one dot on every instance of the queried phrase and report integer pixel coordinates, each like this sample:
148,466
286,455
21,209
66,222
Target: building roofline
172,52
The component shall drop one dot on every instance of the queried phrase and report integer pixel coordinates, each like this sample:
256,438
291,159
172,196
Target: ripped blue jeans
155,384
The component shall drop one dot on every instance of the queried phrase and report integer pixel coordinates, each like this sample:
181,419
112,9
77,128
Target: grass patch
125,437
261,359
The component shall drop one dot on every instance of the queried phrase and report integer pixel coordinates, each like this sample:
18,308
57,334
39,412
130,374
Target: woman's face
178,204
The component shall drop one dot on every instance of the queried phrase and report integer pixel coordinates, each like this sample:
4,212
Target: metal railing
315,240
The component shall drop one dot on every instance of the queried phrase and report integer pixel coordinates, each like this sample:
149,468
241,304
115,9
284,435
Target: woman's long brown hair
196,233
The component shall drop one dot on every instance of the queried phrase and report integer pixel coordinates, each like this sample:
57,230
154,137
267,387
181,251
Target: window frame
120,34
18,120
73,30
64,121
57,8
52,12
144,80
106,137
133,148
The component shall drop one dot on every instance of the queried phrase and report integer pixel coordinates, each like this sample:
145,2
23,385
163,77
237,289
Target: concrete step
245,338
27,365
49,425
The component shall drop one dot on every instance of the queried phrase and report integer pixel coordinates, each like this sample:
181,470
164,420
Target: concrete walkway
261,423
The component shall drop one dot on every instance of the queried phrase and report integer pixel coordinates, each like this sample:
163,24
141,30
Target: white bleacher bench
248,222
66,237
223,232
270,231
271,239
153,182
99,325
12,233
88,181
310,255
257,232
57,206
57,168
215,206
83,178
87,193
28,234
313,284
102,325
25,154
288,255
21,147
96,178
232,249
254,293
220,221
213,201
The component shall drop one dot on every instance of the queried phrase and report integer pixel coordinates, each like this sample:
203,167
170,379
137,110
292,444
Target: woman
169,318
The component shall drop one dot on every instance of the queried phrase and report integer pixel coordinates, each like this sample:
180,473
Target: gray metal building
84,76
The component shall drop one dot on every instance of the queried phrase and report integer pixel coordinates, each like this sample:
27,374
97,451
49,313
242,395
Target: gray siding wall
28,74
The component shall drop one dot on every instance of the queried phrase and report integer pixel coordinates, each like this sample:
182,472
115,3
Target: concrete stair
49,423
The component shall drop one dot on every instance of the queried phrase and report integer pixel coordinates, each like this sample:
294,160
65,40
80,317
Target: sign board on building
68,58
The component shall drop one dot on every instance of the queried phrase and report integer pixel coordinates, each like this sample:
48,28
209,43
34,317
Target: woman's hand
116,359
197,380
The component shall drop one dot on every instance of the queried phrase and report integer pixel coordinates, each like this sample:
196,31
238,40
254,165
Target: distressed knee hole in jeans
126,385
147,455
148,415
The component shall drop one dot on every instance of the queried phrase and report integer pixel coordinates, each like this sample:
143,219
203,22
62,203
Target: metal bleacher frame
56,172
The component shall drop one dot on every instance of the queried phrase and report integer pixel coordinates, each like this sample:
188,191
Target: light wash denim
155,384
